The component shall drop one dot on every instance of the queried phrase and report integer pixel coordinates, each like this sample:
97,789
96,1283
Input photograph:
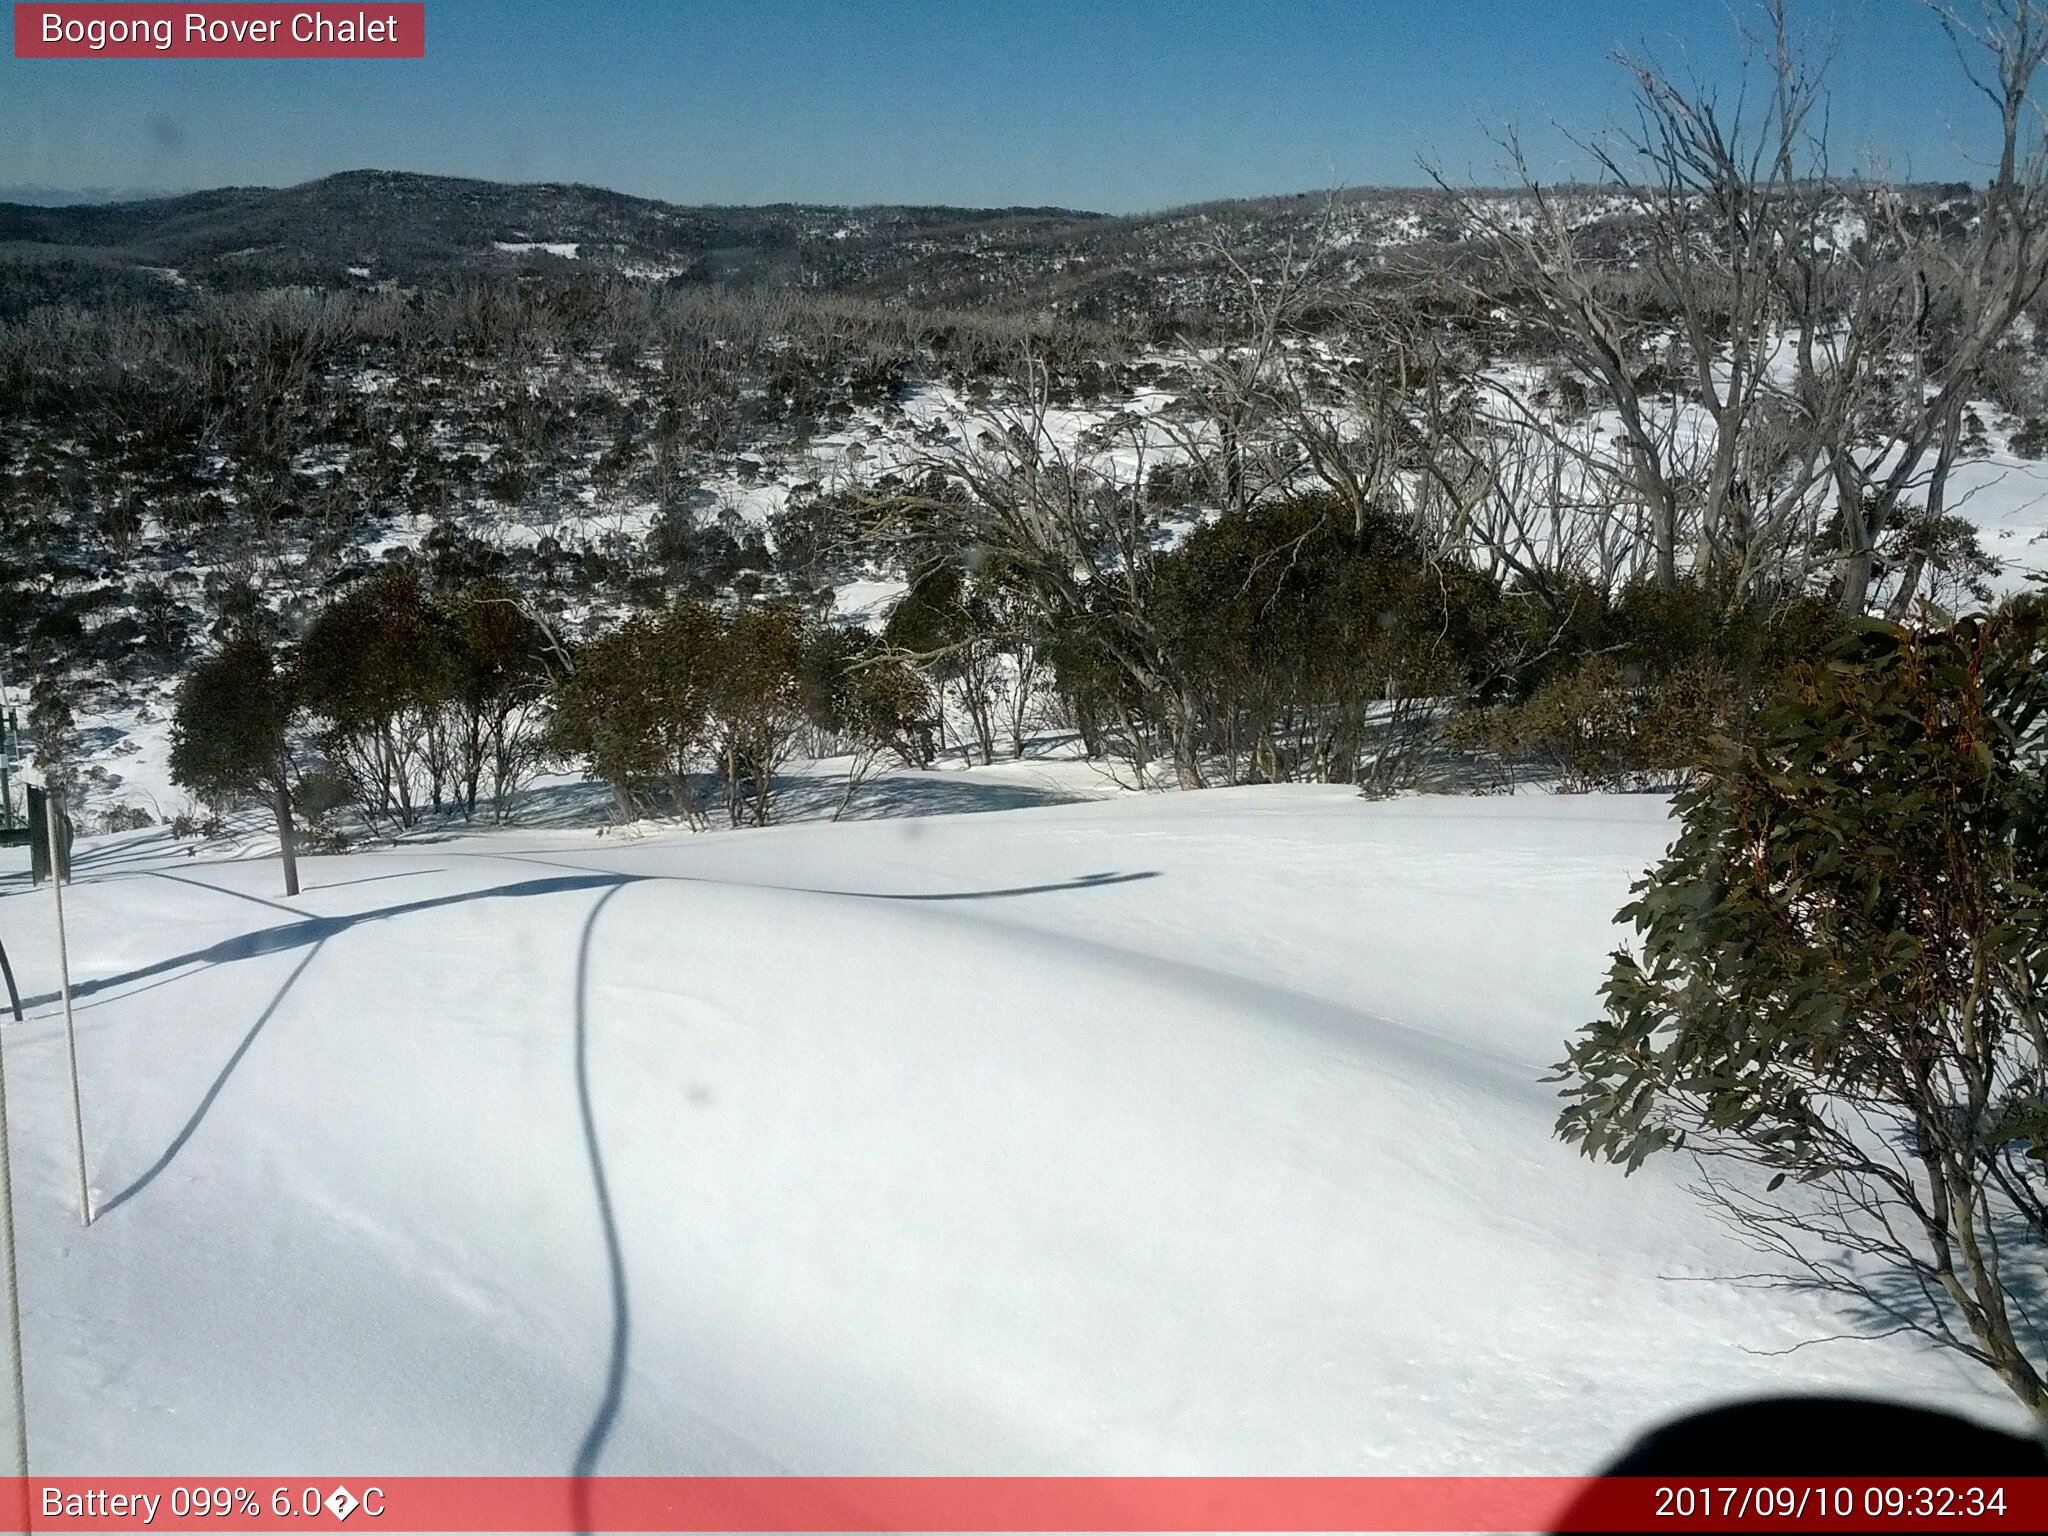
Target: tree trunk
764,787
1665,532
1083,712
1187,764
1135,737
1858,567
287,847
1901,605
1860,528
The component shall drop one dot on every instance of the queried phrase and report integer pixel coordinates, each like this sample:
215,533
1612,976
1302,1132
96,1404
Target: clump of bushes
1602,725
422,698
201,826
1306,641
661,698
126,818
1633,692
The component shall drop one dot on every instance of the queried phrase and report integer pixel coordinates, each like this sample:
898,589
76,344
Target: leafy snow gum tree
1842,983
229,736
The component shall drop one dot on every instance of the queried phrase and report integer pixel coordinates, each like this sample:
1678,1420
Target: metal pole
13,992
8,740
64,979
11,1284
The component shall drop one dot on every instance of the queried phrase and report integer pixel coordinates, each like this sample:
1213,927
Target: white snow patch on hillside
866,604
566,249
2006,497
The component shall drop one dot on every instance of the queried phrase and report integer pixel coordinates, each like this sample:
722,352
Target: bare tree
1064,512
1676,338
1943,308
1776,360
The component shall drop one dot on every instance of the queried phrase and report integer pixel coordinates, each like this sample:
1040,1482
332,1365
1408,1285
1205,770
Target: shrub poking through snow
1841,994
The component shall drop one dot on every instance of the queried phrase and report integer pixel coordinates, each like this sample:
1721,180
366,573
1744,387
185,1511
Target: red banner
262,31
992,1504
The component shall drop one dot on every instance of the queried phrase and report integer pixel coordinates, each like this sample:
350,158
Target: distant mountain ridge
399,223
376,227
408,229
41,194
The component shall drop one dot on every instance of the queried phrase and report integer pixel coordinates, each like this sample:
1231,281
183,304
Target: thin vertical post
10,1282
64,980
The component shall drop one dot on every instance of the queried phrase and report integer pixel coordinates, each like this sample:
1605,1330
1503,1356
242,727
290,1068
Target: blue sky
1117,105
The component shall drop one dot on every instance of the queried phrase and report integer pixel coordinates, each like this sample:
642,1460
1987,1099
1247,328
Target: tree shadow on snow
909,794
177,1142
1885,1300
317,930
313,934
1076,883
890,794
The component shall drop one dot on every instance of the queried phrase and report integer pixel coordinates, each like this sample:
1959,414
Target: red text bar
156,31
1006,1504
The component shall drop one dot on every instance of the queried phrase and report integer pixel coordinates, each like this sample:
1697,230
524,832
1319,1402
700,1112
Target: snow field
1171,1134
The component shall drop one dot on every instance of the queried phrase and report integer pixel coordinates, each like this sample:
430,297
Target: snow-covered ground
1189,1133
2006,497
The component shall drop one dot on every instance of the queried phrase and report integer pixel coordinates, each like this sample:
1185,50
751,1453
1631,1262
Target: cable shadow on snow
316,930
177,1143
594,1437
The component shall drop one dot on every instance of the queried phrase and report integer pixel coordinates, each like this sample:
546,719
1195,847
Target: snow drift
1186,1134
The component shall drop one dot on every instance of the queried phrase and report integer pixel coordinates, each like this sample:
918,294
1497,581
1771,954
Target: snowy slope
1194,1133
2006,497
